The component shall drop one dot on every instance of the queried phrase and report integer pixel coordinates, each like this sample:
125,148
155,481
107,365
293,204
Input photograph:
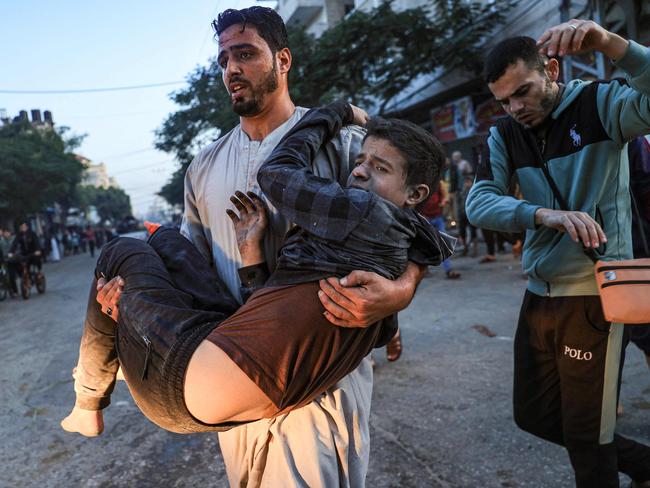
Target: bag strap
590,253
639,222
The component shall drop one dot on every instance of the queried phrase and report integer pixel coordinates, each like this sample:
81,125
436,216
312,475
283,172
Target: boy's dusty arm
250,227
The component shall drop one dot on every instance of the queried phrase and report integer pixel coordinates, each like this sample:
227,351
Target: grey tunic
231,163
325,443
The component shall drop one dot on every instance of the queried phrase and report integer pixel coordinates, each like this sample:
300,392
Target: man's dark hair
508,52
424,155
267,22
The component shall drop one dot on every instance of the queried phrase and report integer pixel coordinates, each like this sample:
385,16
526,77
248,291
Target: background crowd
49,246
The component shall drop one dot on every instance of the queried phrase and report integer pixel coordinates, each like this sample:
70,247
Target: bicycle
30,275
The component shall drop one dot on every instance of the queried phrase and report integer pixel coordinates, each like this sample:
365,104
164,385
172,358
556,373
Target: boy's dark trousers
171,297
568,361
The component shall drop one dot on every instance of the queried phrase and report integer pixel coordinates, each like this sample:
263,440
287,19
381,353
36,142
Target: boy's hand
250,226
360,116
108,295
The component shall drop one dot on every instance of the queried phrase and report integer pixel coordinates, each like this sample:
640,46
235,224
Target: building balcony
299,12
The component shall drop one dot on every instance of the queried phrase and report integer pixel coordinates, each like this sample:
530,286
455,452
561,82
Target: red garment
433,206
90,235
282,341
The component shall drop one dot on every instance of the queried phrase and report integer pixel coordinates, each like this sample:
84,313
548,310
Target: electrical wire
146,166
90,90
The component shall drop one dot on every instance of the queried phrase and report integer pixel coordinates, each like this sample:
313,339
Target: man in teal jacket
573,137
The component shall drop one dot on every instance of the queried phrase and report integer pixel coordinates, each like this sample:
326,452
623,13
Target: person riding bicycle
26,247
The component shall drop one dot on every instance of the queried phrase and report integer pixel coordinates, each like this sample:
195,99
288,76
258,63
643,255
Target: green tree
111,203
36,169
368,58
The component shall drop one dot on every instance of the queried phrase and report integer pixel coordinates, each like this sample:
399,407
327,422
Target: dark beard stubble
253,106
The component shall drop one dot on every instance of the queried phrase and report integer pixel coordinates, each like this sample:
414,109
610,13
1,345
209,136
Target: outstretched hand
250,225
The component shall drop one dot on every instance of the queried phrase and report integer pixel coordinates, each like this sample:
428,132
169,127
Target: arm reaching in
579,36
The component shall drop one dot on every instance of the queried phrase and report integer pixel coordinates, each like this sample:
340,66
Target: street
442,414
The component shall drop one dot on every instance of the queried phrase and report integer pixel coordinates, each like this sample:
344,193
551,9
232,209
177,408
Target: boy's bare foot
89,423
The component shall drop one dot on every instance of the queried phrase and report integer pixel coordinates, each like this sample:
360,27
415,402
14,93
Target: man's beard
548,100
253,106
547,103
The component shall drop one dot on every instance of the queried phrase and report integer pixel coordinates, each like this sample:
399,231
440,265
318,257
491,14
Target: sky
74,44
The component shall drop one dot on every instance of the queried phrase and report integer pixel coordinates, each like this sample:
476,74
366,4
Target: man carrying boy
326,442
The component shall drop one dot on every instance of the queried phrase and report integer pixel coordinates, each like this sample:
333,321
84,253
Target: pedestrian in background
74,241
433,211
91,240
464,224
464,167
55,255
6,242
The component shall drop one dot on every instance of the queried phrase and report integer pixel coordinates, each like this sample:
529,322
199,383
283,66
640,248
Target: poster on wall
443,123
464,121
454,120
487,113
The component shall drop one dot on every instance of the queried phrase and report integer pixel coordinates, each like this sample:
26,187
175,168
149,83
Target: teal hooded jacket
585,152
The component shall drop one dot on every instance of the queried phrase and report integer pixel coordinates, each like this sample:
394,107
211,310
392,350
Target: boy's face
380,168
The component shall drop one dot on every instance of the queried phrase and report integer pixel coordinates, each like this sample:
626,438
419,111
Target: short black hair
267,22
508,52
425,158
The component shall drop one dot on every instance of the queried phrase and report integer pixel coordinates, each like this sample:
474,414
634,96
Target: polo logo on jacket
577,140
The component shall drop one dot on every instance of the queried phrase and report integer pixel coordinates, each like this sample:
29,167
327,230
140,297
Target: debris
483,329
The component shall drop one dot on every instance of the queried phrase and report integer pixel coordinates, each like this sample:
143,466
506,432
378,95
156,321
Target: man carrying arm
326,442
573,138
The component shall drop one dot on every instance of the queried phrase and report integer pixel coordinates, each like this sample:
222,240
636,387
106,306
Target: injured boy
192,361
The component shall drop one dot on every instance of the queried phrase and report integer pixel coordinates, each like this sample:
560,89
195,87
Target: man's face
249,69
526,94
380,168
23,228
